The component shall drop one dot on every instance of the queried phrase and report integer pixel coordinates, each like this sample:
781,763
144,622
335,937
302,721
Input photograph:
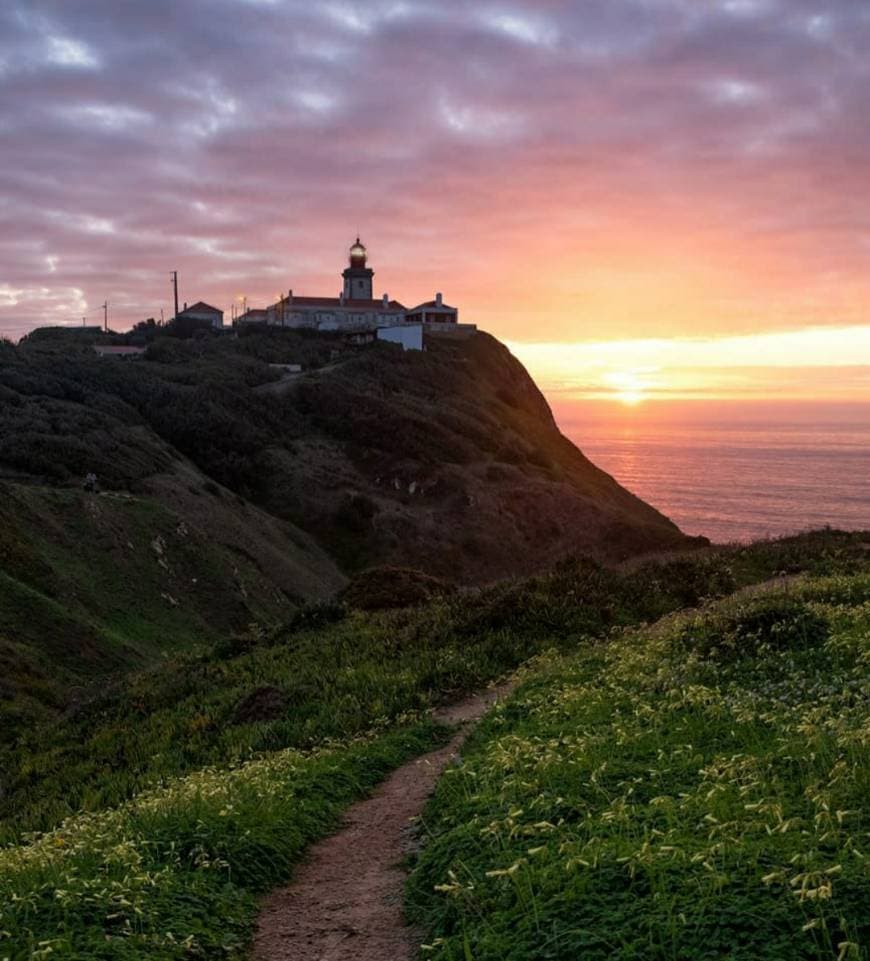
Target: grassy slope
174,874
692,791
333,675
94,585
170,874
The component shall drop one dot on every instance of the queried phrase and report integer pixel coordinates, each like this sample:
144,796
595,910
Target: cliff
231,493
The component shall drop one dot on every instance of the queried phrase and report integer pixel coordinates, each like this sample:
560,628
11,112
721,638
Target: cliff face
449,461
230,493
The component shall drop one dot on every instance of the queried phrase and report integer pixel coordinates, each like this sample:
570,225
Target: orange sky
824,363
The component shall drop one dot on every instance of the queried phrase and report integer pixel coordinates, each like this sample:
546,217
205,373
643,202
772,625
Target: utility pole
106,317
174,276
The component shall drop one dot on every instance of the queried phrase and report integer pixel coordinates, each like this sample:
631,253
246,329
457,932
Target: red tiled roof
337,302
200,307
432,305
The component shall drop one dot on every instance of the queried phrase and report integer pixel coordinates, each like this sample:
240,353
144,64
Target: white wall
410,336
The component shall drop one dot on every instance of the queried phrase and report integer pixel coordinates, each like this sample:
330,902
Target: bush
316,616
386,588
764,623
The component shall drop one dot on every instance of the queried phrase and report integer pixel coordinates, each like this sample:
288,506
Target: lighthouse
358,276
355,310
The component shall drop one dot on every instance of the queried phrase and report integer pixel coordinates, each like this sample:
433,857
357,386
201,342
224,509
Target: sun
629,387
631,398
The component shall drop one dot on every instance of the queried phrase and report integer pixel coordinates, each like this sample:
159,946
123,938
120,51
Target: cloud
563,170
66,52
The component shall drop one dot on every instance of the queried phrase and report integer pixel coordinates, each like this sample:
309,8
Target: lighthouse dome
358,254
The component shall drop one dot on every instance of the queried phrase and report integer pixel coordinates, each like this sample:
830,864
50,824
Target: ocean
733,470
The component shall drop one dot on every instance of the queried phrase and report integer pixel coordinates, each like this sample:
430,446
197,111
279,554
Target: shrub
385,588
763,623
315,616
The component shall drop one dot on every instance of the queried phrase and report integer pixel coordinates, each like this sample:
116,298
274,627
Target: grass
694,790
85,596
334,674
174,873
167,803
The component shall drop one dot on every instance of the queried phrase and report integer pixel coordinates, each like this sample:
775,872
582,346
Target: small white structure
410,336
127,353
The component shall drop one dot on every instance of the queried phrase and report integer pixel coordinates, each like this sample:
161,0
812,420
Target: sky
644,198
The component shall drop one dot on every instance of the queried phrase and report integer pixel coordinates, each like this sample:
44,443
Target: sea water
735,470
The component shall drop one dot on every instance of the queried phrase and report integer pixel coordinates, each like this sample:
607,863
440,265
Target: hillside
692,790
92,585
229,494
331,671
447,460
196,787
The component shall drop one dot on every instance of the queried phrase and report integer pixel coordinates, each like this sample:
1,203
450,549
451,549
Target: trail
345,901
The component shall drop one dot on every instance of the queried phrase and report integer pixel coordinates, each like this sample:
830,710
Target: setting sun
821,363
629,387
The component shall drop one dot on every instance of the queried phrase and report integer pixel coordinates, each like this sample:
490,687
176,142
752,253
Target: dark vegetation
447,461
66,412
387,588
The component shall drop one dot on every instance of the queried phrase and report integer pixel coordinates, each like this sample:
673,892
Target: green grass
96,556
85,597
694,790
174,873
337,674
189,788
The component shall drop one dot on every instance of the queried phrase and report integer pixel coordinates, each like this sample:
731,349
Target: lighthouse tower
358,277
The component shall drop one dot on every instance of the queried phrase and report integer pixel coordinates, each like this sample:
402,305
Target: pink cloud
559,169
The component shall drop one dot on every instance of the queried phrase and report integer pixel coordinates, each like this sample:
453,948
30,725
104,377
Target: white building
355,308
433,312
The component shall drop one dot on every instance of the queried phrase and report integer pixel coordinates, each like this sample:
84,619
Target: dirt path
345,901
